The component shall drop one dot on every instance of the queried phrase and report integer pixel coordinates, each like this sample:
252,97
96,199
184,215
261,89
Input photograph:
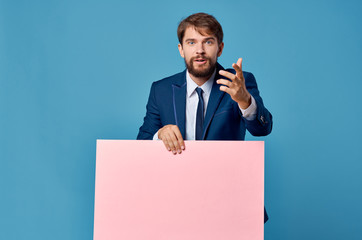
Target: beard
202,71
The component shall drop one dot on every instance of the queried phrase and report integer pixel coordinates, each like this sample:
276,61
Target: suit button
262,119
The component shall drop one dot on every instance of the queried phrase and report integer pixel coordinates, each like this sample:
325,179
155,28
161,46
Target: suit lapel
214,100
179,102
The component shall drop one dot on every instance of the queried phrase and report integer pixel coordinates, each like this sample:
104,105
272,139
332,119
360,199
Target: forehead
197,33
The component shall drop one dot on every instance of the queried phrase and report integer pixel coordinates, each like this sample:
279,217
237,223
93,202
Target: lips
200,60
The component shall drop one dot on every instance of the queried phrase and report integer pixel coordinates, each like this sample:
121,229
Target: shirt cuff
155,137
250,113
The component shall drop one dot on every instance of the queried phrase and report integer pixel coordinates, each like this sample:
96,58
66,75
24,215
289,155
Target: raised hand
236,86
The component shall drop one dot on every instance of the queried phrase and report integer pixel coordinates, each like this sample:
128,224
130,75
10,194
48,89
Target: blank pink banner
214,190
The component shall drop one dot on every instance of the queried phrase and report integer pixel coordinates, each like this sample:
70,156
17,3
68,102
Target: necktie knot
199,92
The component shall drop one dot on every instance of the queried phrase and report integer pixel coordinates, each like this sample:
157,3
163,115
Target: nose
200,48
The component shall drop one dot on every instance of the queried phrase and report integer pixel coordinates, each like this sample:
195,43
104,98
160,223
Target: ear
181,50
221,47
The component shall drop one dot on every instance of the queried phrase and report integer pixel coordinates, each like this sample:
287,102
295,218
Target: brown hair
203,23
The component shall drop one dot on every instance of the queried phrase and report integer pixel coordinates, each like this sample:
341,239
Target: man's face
200,52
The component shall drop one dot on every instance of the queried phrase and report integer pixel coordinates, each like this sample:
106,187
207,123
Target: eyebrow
210,38
190,39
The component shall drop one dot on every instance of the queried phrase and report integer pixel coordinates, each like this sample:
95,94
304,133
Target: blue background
72,72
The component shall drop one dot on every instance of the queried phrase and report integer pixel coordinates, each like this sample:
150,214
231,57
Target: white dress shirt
192,100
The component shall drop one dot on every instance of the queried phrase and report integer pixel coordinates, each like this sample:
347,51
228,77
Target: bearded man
205,101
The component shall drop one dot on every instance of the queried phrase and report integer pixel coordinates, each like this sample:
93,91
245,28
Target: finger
180,139
171,143
162,136
165,142
228,75
176,143
239,63
239,72
225,89
224,82
174,135
238,68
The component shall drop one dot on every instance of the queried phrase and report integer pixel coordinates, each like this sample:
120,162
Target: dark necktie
199,115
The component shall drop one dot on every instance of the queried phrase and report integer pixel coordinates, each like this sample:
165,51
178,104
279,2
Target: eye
209,42
191,43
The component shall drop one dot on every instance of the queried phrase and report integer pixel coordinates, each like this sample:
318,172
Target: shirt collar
206,87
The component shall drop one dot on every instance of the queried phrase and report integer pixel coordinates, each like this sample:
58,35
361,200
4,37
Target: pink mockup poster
214,190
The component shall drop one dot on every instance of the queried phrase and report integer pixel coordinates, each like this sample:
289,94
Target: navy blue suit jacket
223,118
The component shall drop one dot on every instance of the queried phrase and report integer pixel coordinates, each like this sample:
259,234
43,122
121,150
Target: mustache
200,56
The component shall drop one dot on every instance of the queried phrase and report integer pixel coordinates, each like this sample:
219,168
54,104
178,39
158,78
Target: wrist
245,103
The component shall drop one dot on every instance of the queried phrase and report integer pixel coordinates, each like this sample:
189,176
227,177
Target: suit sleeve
151,122
263,123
